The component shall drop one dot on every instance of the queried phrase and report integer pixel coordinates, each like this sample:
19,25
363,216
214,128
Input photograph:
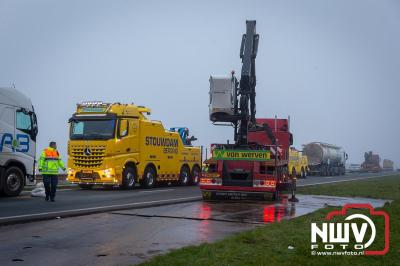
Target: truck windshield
92,129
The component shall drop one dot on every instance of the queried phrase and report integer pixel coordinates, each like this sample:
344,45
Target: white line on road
98,208
338,181
157,190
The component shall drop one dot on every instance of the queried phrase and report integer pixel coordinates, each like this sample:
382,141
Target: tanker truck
325,159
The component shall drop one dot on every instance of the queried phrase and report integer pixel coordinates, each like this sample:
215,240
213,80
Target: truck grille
83,160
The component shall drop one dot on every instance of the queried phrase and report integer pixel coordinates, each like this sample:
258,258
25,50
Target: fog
333,66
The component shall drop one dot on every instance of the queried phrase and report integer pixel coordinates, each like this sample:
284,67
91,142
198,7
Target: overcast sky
333,66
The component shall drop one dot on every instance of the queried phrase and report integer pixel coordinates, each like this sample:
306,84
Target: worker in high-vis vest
49,163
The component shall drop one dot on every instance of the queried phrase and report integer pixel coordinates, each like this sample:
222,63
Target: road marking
68,189
98,208
58,190
157,190
338,181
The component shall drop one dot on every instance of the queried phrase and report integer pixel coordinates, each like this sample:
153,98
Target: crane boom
235,102
247,89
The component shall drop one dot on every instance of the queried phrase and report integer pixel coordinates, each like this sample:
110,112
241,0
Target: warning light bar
93,103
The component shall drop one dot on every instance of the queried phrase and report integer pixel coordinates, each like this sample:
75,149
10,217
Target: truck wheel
303,173
294,172
149,177
13,182
325,171
184,176
128,178
86,186
194,180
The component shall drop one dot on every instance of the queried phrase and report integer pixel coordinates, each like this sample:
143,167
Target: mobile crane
256,165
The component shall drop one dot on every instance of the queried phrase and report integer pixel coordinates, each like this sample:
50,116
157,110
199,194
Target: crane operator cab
222,98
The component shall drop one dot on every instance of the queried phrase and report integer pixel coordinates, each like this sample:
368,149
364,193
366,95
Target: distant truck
371,163
116,144
387,165
298,163
325,159
18,131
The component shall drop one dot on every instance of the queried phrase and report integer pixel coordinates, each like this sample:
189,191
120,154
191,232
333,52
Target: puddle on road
248,212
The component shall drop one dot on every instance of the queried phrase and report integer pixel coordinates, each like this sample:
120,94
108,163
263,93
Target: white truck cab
18,131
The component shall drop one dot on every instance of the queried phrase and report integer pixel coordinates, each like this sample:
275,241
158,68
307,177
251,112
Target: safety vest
51,154
50,162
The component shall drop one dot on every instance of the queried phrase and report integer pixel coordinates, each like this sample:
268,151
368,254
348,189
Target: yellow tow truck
298,163
116,144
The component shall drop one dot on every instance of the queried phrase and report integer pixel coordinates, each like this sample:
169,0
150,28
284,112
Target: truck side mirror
34,133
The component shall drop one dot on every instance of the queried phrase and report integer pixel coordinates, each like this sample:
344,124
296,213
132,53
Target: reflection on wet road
246,212
133,236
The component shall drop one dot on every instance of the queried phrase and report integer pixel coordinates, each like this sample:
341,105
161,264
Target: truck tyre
294,172
325,171
86,186
195,176
184,176
13,181
303,173
128,178
149,177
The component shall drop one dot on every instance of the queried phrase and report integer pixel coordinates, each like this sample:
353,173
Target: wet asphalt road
76,201
132,236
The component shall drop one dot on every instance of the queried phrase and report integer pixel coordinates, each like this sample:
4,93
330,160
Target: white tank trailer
325,159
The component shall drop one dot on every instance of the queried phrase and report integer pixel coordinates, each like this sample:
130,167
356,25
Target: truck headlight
70,171
109,172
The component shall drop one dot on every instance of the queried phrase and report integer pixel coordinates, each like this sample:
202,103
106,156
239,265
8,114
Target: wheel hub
13,182
150,179
196,177
185,177
131,179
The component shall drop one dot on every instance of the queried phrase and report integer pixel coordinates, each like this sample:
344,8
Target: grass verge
268,245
